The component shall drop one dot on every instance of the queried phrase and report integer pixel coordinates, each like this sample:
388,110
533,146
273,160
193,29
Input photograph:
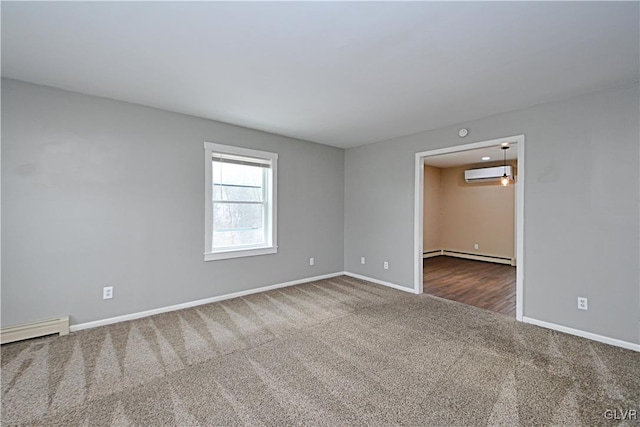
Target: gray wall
97,192
581,231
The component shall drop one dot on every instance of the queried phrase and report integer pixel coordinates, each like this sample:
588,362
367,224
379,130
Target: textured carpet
332,352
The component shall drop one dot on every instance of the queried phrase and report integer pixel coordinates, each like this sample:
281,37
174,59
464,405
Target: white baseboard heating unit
477,257
59,325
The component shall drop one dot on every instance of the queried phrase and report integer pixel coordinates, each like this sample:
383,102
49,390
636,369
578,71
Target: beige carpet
333,352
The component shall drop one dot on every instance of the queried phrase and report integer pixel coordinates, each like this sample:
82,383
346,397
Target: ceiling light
486,158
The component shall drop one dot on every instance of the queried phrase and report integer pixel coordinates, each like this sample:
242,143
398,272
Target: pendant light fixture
505,179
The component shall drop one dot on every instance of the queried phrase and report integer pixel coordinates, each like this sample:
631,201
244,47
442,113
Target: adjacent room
469,233
320,213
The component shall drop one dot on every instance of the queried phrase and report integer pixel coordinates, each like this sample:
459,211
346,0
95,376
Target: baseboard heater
59,325
466,255
430,254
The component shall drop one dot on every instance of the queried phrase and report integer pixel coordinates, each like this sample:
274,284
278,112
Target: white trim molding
141,314
583,334
237,253
59,325
380,282
419,208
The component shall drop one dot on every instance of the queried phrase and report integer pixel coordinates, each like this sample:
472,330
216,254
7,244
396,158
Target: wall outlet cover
583,303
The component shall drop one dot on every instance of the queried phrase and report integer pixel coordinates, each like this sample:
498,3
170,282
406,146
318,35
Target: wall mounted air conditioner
487,174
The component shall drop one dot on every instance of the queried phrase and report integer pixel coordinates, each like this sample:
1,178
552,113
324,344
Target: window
240,202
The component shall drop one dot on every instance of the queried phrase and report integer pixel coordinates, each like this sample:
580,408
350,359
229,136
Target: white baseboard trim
380,282
141,314
59,325
583,334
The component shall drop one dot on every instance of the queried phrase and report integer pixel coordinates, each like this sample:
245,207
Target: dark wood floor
481,284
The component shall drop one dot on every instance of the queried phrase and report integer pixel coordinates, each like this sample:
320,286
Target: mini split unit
488,174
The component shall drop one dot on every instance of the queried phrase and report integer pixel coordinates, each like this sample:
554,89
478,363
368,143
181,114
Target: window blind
241,160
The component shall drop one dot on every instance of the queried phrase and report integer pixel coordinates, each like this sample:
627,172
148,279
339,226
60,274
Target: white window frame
271,193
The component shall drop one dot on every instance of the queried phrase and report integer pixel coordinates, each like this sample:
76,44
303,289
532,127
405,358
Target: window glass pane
235,182
237,193
238,224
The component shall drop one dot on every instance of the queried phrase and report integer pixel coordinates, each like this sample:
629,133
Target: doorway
460,260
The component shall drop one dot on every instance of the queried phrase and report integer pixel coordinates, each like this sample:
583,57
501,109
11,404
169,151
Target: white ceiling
470,157
342,74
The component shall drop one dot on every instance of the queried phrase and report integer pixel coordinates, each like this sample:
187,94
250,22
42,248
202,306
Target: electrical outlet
476,246
312,261
362,260
386,265
107,292
583,303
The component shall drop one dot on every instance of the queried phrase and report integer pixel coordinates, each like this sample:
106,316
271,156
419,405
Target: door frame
419,211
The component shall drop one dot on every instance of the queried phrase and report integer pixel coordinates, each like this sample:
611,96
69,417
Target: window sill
239,253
